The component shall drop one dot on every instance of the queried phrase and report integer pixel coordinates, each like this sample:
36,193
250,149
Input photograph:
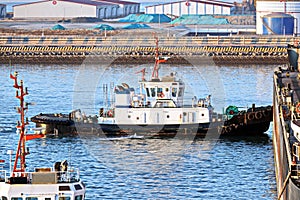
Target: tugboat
234,121
157,109
59,182
286,126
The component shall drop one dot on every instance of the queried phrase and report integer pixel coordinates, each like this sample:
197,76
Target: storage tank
278,23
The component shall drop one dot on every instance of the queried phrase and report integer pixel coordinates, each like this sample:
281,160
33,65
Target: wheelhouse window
80,197
152,92
3,198
78,187
180,93
159,92
174,92
148,92
64,198
31,198
16,198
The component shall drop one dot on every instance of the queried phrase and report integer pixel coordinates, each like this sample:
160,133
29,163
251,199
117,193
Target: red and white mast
21,151
157,60
156,65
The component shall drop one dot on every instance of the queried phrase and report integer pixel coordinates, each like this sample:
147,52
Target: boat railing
69,176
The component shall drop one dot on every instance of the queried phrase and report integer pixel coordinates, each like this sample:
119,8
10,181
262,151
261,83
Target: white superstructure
61,182
43,184
156,106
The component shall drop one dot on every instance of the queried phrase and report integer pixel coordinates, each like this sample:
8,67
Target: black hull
288,188
233,127
293,56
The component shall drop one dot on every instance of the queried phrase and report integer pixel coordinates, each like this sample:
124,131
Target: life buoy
187,3
162,95
110,113
54,2
298,108
250,116
258,115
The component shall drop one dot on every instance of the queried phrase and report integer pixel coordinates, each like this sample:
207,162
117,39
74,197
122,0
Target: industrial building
2,10
277,17
197,7
102,9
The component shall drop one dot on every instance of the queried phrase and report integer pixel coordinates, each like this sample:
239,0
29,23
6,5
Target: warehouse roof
212,2
86,2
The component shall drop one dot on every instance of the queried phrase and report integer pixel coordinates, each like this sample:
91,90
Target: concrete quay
243,49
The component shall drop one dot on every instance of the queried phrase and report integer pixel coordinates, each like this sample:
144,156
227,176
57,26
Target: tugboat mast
156,65
157,60
21,153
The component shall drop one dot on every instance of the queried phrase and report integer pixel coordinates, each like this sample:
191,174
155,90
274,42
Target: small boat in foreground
57,183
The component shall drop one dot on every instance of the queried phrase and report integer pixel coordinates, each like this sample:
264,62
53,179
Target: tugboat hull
244,124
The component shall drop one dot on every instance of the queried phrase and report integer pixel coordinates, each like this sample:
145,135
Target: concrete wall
180,8
266,7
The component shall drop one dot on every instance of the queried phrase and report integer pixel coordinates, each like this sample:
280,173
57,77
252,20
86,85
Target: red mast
157,60
155,69
21,153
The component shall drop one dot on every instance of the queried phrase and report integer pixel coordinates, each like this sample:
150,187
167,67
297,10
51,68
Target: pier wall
16,49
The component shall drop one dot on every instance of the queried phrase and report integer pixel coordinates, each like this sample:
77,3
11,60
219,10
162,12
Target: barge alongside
286,127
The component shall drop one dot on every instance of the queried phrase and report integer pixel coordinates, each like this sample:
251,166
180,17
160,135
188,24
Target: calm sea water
209,168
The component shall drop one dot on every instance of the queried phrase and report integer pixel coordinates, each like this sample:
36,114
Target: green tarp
103,27
146,18
136,26
58,27
199,19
